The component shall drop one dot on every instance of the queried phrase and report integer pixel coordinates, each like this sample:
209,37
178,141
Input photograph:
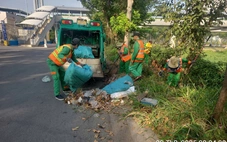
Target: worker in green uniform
137,57
174,66
125,59
55,61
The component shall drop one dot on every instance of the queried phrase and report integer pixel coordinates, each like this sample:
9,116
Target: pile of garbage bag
104,98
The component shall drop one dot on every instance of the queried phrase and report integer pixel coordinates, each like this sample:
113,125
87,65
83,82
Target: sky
27,5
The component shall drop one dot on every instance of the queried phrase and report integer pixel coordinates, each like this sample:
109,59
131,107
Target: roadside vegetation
182,113
197,109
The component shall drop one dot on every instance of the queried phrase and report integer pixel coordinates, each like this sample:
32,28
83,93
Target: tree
121,24
221,100
191,22
104,9
129,16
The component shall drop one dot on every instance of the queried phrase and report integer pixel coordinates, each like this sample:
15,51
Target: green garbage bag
76,76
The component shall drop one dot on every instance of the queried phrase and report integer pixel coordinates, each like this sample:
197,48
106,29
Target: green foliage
52,35
161,53
206,74
120,24
191,20
105,9
183,113
136,18
216,56
111,53
203,73
191,132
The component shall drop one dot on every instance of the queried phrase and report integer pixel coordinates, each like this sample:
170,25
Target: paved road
30,113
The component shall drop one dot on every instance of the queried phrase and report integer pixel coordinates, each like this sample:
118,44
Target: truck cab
91,35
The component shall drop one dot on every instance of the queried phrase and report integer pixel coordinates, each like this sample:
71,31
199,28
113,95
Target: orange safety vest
178,69
126,57
54,55
140,55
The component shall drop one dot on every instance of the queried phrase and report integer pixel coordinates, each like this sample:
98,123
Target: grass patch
216,56
181,113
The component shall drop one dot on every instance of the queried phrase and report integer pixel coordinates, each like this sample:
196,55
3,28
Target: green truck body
90,34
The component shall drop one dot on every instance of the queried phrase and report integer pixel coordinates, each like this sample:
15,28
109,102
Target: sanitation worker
55,61
125,59
174,66
137,57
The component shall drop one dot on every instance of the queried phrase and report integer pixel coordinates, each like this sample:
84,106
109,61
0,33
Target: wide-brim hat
173,62
135,34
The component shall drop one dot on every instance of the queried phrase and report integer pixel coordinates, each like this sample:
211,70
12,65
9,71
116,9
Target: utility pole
26,6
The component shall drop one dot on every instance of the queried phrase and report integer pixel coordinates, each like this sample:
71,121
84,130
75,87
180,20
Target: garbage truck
91,35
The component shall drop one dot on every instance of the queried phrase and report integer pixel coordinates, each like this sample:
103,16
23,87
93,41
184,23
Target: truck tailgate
95,66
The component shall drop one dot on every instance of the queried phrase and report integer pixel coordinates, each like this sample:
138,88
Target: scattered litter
97,135
96,131
88,93
123,94
66,92
46,79
115,100
99,99
96,115
76,128
80,100
74,102
102,138
149,101
93,102
100,126
109,132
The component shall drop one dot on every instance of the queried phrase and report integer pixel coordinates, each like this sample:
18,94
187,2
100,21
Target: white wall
10,21
10,18
74,18
2,15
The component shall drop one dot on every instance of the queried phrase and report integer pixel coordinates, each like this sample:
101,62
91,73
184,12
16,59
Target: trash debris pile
96,99
103,99
111,95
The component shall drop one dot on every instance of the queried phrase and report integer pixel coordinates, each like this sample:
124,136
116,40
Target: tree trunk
129,16
221,100
109,32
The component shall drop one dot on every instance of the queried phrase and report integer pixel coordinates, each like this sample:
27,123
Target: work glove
69,60
160,73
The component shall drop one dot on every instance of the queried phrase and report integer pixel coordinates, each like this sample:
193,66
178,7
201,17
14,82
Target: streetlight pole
26,6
